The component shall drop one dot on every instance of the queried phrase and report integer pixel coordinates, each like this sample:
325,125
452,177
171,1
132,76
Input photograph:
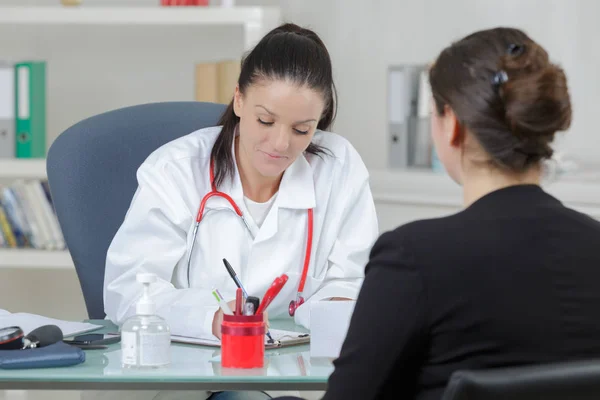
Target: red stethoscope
294,304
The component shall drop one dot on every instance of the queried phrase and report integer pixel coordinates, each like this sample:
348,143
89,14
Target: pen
270,337
224,306
239,285
238,302
252,303
272,292
234,277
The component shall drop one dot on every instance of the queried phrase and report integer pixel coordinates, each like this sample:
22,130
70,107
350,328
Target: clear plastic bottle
145,337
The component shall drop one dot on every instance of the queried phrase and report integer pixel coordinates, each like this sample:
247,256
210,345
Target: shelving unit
22,168
11,169
256,21
403,189
35,259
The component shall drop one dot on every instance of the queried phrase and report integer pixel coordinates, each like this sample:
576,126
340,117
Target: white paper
329,322
28,322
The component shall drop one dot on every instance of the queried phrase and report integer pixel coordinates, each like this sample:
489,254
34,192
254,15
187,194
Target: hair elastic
516,49
499,78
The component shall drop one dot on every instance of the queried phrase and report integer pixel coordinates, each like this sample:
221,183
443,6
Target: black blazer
513,279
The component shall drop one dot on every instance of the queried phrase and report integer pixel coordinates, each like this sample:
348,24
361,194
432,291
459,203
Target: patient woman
514,278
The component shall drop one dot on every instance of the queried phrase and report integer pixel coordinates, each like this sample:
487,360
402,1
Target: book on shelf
27,217
215,81
22,109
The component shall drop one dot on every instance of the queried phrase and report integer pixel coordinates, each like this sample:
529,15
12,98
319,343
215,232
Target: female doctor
303,195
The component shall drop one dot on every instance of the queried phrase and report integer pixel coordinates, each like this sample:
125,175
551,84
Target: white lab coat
157,230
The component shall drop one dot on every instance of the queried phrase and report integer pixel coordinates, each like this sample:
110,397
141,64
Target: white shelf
430,189
135,15
35,259
256,21
22,168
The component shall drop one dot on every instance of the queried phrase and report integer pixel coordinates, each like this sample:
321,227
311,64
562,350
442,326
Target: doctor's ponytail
291,53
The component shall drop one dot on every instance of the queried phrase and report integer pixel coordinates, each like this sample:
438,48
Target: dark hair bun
535,94
505,91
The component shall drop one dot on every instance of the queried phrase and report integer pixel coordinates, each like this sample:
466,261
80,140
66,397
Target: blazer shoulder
412,241
431,227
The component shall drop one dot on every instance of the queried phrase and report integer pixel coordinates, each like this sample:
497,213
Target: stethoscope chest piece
294,304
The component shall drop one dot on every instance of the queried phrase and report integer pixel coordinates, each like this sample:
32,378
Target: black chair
558,381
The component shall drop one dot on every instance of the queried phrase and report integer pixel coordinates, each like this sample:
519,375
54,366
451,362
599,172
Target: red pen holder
243,341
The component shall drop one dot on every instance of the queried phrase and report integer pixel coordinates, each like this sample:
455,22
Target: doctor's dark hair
502,87
289,53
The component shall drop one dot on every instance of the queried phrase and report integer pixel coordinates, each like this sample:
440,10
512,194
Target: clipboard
282,338
292,339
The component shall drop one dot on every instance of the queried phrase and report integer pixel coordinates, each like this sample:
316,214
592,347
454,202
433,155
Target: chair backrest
92,177
558,381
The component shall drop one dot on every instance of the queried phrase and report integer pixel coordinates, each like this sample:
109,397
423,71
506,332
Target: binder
215,81
228,75
408,116
206,82
421,140
30,101
399,108
7,110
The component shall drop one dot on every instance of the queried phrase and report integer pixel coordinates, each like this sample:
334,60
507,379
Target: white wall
364,37
367,36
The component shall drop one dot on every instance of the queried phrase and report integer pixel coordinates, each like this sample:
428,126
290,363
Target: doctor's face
278,119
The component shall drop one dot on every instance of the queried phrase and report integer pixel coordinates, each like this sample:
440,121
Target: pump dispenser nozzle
145,305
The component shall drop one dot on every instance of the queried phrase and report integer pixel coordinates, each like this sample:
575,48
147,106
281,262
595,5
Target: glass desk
192,367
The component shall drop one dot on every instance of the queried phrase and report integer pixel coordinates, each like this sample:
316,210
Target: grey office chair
92,176
557,381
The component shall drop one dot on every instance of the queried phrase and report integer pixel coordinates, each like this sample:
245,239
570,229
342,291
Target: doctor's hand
218,319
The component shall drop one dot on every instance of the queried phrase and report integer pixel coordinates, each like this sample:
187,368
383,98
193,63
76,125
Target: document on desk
283,339
329,322
28,322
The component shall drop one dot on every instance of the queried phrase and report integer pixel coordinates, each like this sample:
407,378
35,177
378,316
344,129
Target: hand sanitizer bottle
145,337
